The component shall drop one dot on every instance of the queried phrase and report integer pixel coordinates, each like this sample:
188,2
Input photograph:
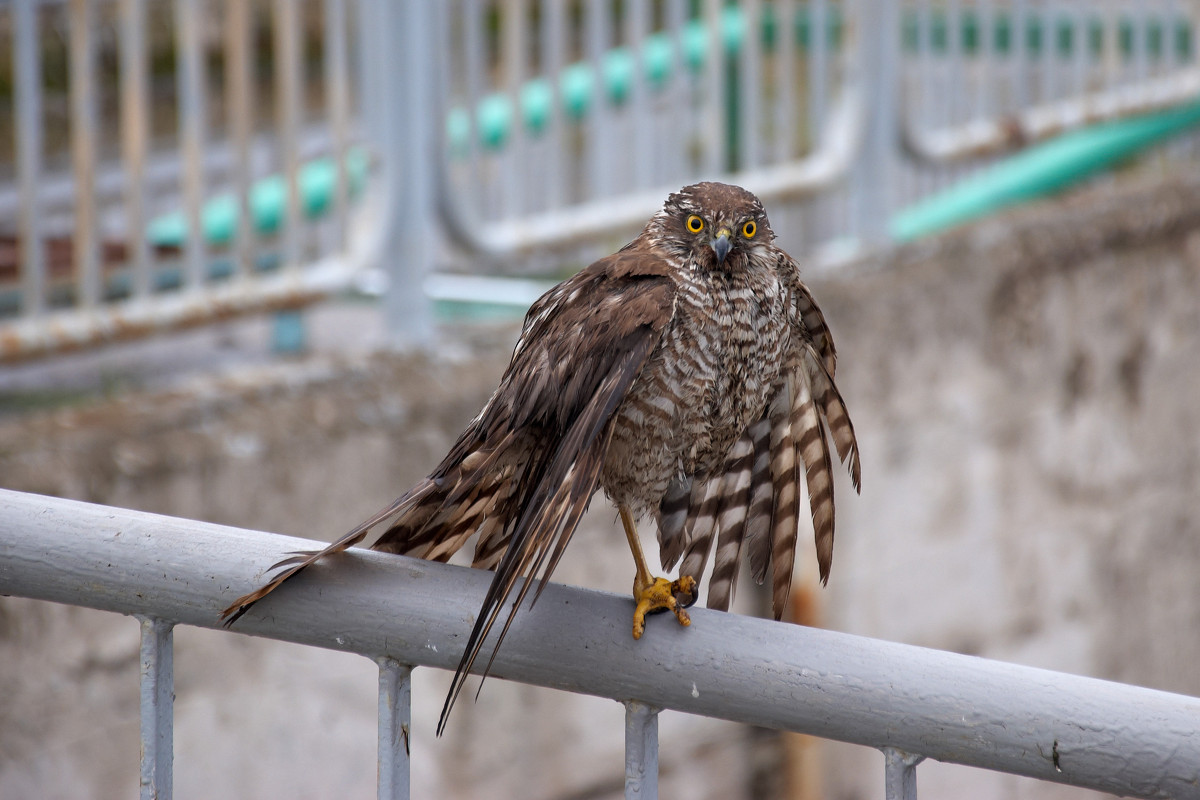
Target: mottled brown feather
731,516
701,527
784,474
762,502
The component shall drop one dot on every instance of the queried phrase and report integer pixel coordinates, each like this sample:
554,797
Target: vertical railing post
878,47
395,711
157,704
240,109
286,22
84,118
337,92
135,138
190,18
900,774
27,74
641,751
403,114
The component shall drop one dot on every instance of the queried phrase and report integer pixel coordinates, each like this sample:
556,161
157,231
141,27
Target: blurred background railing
321,146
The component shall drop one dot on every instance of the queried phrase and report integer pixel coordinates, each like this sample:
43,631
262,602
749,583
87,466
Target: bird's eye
749,229
695,224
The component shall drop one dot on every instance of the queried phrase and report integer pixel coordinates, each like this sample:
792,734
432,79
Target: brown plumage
689,375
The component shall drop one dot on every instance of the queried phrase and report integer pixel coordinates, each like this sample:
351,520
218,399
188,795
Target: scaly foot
660,596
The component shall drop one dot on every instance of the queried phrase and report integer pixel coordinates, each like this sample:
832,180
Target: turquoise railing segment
1041,170
267,203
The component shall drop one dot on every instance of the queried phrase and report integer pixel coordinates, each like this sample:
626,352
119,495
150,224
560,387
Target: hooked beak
721,245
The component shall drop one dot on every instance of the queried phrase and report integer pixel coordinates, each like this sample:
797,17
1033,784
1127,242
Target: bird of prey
690,376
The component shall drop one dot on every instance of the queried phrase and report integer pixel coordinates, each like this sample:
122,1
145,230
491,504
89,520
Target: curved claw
660,596
686,587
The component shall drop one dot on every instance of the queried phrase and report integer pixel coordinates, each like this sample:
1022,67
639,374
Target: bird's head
719,225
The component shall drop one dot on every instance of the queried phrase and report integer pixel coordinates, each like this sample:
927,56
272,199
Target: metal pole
286,21
337,93
27,68
641,751
395,712
157,701
900,774
189,20
597,24
238,69
135,136
408,36
86,251
878,47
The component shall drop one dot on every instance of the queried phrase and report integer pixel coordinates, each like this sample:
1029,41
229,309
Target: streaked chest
712,374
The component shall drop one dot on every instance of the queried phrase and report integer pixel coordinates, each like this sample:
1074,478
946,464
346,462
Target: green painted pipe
1041,170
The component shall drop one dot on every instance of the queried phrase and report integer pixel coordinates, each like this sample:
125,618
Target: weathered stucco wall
1025,393
1031,435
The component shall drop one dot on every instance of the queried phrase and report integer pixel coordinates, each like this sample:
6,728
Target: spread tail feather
299,561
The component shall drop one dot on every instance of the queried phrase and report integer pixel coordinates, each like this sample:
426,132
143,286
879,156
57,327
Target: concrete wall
1025,393
1027,398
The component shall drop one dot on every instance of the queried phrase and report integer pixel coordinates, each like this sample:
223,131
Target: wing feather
672,521
701,526
762,502
811,318
829,399
784,475
551,514
808,432
731,523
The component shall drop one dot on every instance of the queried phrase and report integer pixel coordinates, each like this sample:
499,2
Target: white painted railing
910,702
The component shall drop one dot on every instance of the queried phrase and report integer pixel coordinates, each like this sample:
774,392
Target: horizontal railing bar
1081,731
991,136
573,225
56,190
25,339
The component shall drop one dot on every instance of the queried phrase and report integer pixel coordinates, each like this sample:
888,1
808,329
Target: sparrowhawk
690,376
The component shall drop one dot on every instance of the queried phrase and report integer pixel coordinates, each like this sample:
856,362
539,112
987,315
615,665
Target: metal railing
156,202
909,702
591,140
988,77
502,135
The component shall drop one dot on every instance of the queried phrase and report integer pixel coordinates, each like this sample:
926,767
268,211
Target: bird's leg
650,593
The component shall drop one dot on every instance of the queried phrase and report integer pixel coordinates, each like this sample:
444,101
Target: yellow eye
749,229
695,224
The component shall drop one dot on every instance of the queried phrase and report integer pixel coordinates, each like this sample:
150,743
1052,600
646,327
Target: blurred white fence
310,142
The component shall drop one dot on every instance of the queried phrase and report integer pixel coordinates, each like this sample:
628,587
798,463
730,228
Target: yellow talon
660,596
654,594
